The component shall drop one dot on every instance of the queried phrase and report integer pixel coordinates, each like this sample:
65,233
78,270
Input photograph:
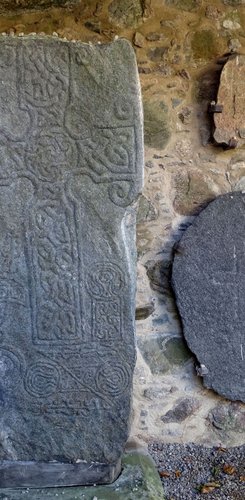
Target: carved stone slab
209,284
71,168
230,124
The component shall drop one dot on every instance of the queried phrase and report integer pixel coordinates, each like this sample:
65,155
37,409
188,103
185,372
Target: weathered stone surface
234,3
230,124
225,418
193,191
204,45
139,39
183,409
194,83
6,5
187,5
145,311
139,480
156,124
208,280
146,210
161,354
159,275
126,12
71,167
213,12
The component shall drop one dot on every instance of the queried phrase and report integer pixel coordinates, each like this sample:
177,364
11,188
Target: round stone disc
208,279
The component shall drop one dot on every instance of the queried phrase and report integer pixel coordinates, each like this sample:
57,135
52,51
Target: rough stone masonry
71,168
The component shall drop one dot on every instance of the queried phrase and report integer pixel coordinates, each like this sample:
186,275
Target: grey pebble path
187,468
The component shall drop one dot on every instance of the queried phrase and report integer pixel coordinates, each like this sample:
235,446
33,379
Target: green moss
139,480
176,351
126,13
162,355
234,3
152,351
145,210
187,5
156,124
204,45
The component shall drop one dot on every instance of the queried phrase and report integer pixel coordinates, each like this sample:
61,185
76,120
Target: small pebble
139,39
231,25
153,37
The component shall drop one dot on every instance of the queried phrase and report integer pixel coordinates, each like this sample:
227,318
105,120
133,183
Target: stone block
139,480
230,124
71,169
208,280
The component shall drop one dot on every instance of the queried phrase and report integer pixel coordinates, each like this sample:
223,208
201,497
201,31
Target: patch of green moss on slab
162,354
187,5
139,480
176,351
152,351
234,3
127,13
204,45
145,210
156,124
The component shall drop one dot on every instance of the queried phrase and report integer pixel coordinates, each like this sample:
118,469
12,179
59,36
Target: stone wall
181,46
20,5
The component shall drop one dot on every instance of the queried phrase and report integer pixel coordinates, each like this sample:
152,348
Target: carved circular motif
121,193
42,379
113,379
10,368
105,280
123,110
50,154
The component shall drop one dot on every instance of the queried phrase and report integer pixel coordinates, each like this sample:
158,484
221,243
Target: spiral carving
42,379
112,379
10,369
124,110
122,193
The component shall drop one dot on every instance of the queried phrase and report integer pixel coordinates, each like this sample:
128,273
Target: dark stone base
53,474
139,480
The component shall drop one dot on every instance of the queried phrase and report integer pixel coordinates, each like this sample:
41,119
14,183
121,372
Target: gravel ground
194,472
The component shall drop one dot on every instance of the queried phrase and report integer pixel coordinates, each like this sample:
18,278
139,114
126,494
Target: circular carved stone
10,368
42,379
113,378
209,283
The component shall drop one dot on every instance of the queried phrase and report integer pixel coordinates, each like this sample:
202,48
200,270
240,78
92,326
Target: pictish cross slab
71,162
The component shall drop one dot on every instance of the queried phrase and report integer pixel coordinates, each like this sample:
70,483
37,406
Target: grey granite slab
209,283
71,165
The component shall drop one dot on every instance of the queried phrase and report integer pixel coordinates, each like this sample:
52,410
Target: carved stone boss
71,160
